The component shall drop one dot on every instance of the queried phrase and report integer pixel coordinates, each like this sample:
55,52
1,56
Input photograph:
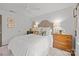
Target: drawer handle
68,37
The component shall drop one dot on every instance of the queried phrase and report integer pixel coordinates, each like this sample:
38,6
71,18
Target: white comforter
30,45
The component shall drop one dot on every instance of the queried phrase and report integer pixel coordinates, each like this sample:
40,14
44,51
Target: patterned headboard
45,23
46,26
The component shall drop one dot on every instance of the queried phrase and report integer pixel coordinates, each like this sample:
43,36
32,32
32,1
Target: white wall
22,22
66,15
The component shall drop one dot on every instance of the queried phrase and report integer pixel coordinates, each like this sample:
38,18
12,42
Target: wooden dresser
63,42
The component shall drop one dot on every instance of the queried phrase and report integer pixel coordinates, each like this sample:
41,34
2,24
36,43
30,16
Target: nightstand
62,41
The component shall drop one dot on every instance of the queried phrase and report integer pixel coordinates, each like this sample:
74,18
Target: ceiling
34,9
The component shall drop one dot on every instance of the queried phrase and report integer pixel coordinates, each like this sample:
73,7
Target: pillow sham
44,31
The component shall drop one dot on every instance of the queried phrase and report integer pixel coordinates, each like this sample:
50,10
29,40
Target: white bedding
34,45
30,45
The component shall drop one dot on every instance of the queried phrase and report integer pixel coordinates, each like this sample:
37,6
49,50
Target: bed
36,45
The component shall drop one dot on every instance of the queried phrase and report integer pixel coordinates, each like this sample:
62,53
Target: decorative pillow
44,31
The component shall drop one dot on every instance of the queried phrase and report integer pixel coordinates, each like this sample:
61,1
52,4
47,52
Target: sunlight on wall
11,22
57,26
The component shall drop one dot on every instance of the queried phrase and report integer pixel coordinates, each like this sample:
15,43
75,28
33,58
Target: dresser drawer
63,42
63,46
62,38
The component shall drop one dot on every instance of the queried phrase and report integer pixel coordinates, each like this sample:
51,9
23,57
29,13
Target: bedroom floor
4,51
52,52
58,52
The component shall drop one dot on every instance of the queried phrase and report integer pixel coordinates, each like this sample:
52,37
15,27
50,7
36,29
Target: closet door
77,37
0,30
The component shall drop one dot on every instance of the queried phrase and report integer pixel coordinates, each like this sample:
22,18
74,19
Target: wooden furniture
72,52
63,42
0,30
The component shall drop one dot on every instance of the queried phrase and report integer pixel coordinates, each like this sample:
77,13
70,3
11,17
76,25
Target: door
77,37
0,30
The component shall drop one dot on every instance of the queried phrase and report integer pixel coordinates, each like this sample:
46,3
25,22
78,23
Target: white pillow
45,30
